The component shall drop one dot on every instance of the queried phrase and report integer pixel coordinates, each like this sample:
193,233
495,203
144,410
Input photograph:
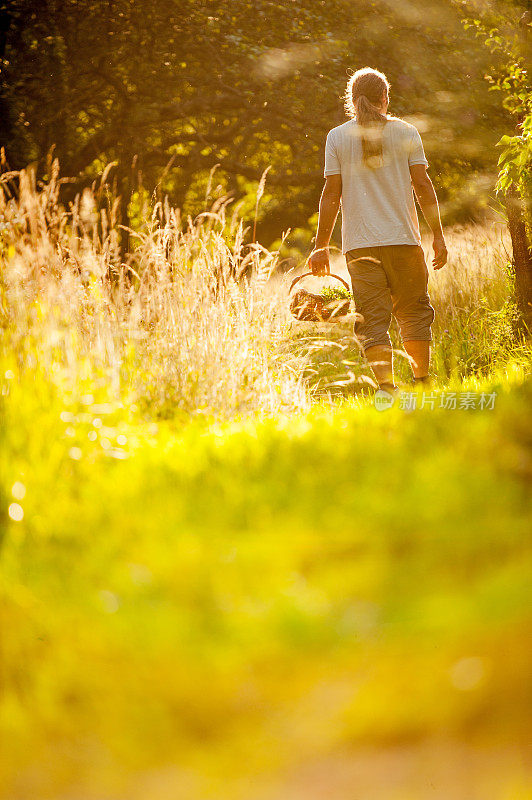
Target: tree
168,90
511,45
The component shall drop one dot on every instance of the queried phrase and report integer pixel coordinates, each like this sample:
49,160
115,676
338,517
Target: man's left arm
329,205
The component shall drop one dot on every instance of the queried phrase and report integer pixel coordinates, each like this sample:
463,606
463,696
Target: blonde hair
364,91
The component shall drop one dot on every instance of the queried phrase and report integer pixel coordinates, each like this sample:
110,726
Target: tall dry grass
475,329
190,323
195,320
478,265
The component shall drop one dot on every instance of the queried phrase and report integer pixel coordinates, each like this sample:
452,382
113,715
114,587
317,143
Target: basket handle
330,274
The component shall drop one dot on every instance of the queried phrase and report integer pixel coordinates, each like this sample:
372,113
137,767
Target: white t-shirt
378,206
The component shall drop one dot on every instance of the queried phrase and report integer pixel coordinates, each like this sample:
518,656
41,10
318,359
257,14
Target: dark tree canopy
178,86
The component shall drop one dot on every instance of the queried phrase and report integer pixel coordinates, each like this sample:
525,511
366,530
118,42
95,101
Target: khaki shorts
390,280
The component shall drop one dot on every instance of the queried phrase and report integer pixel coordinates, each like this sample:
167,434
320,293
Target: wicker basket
308,307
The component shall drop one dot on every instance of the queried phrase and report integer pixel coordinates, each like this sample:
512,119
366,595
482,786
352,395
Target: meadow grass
215,571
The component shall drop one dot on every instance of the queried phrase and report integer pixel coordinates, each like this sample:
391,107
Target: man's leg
380,360
373,302
420,352
408,276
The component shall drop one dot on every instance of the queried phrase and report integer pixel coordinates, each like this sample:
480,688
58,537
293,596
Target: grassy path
229,611
227,601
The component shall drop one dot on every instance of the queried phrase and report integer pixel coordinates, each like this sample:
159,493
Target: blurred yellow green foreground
224,574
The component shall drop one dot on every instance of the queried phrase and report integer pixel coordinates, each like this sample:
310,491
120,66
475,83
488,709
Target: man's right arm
429,205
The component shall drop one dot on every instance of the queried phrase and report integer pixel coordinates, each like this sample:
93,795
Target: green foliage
242,85
213,573
334,292
515,160
512,50
178,594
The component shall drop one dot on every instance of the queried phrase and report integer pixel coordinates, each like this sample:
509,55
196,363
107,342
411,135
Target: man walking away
372,163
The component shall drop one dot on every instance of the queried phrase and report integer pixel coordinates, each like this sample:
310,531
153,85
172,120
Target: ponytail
364,92
372,124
